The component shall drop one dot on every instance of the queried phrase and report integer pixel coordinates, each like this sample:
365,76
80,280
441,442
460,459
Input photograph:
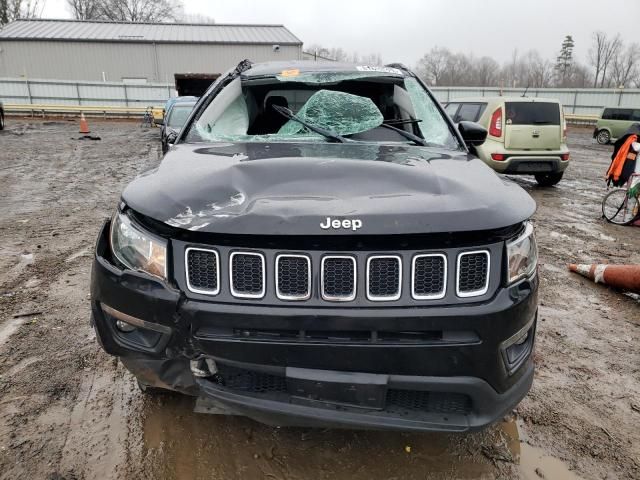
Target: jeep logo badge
336,224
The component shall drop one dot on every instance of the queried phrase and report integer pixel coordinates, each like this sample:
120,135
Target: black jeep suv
320,247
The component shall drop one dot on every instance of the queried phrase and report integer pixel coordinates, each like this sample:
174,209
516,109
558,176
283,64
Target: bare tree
84,9
11,10
625,66
602,52
139,10
195,18
432,65
486,72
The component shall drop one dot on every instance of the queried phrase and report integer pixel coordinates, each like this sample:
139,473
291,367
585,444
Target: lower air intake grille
202,271
339,278
247,275
473,273
429,276
251,381
383,278
438,402
293,277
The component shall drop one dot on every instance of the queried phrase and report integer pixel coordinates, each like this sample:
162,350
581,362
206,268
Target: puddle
9,328
535,464
190,445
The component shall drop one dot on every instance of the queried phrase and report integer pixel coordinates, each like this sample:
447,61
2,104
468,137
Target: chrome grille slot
384,278
338,278
473,273
293,277
202,267
247,274
429,276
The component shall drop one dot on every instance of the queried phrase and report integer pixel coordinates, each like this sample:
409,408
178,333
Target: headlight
522,255
137,249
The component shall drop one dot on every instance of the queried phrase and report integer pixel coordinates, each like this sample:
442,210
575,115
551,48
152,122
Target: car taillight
495,127
497,157
564,157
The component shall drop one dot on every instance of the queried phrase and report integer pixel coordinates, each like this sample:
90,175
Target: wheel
548,179
1,120
603,137
618,208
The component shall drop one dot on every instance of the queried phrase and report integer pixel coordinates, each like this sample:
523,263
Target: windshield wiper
285,112
400,121
416,139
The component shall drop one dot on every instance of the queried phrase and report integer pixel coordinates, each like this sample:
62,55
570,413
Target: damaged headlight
522,255
137,249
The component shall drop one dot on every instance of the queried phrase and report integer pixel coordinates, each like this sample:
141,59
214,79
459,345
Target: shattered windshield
372,104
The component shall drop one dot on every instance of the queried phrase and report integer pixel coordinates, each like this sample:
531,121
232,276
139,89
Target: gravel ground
69,411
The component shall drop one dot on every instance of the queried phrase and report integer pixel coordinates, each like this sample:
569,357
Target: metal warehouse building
136,52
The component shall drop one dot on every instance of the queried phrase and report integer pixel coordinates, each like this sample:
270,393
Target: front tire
603,137
548,179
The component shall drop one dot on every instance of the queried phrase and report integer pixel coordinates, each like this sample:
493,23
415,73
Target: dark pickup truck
320,247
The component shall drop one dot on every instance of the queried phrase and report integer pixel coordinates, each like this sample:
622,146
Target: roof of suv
276,68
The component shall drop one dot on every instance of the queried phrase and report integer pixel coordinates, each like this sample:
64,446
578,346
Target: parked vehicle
174,120
169,103
1,116
527,136
319,247
614,122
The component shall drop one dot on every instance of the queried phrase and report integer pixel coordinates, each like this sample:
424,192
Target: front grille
293,277
384,278
473,273
429,276
203,270
247,274
321,277
338,278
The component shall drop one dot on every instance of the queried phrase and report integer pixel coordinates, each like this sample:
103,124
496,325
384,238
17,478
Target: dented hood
291,189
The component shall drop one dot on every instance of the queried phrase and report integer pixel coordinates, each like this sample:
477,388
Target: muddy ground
69,411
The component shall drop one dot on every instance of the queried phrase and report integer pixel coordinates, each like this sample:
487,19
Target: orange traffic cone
624,277
84,126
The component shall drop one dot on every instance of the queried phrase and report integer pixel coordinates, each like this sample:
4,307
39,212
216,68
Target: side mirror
173,136
472,133
159,122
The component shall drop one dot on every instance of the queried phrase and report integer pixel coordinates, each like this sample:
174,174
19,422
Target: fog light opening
125,327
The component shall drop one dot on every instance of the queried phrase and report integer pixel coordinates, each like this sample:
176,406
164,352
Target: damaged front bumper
461,381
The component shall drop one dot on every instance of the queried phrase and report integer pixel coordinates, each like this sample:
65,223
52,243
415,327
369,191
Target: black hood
290,189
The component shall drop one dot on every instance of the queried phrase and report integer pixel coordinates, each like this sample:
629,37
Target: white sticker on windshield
374,68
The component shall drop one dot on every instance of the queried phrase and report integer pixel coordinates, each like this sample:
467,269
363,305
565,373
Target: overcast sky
404,30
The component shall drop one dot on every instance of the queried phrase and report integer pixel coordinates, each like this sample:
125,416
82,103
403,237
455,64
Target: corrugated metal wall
581,101
86,61
61,92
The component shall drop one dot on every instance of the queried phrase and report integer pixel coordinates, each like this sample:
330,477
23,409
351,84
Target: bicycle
621,206
147,119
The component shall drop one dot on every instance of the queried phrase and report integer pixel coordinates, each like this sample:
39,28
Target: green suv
614,122
527,136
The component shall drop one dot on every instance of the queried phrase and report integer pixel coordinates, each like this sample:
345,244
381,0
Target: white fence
582,101
62,92
579,101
